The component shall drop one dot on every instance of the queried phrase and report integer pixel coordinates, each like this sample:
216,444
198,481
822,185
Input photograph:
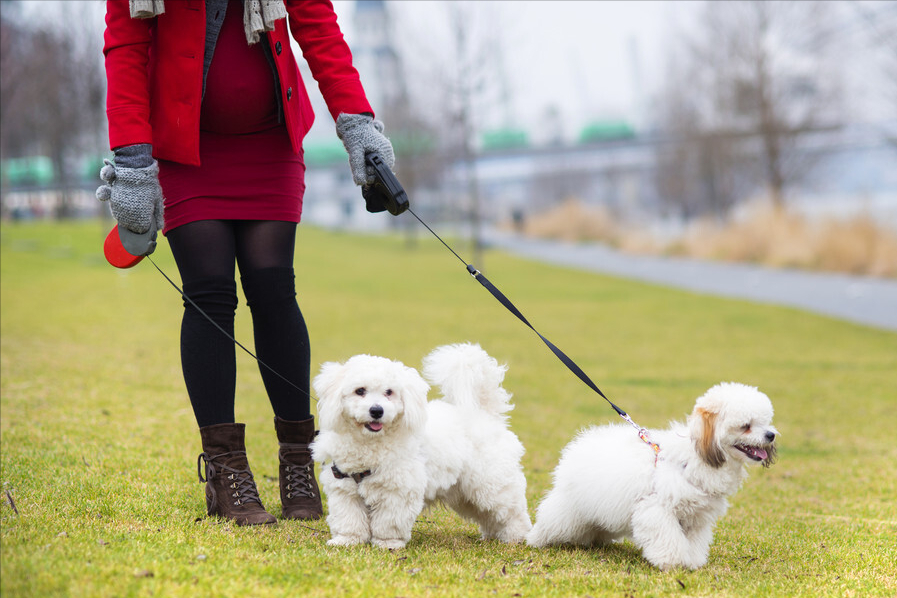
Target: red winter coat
154,73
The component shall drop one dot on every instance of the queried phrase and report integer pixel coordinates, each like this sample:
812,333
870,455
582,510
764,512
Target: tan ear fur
706,444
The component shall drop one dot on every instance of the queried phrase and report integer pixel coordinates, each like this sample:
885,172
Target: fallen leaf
143,573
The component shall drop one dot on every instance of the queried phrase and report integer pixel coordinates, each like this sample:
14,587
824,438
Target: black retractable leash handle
387,193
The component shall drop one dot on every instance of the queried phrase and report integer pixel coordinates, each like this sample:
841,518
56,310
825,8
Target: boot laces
300,480
240,482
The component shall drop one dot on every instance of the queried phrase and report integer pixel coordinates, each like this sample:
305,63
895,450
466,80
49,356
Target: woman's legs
205,253
264,253
265,256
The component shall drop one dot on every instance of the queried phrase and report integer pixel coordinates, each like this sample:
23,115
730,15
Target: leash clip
643,435
472,270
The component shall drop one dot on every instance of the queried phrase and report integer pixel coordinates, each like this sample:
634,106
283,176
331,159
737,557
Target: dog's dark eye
388,392
746,428
361,391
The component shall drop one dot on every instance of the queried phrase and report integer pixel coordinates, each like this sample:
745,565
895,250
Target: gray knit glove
361,135
135,197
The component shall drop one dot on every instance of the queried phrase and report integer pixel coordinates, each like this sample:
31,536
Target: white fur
457,450
607,486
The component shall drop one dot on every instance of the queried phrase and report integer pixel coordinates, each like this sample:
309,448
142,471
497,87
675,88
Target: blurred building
610,163
375,56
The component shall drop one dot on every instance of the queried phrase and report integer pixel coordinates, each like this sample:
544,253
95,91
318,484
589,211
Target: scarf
258,15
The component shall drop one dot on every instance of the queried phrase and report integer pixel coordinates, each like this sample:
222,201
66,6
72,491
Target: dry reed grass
764,235
572,221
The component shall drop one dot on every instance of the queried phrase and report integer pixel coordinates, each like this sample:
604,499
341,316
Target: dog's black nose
376,411
770,436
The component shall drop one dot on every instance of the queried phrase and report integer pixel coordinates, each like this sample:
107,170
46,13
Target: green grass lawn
99,443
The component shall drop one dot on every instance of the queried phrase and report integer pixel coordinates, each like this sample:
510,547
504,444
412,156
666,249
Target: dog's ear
703,432
414,396
326,386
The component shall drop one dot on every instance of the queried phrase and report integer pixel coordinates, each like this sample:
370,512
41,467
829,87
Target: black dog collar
355,476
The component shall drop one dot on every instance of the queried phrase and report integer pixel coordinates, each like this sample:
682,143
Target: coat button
289,93
278,48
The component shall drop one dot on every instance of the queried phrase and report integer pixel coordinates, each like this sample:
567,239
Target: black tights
205,252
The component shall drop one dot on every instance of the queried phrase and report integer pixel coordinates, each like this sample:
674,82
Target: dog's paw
345,541
680,563
388,544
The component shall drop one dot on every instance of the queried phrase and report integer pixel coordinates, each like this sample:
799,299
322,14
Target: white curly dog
386,452
607,485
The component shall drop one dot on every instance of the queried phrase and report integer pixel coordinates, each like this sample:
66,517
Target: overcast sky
577,56
605,59
590,59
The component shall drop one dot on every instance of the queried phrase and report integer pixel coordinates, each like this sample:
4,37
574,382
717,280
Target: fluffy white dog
608,486
387,452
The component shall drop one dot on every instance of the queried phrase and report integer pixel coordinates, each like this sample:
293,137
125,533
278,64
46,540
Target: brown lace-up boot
299,492
230,488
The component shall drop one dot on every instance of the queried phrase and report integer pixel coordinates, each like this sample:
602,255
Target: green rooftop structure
503,139
31,170
606,130
323,153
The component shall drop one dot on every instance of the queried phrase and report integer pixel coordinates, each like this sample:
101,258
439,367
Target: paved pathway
860,299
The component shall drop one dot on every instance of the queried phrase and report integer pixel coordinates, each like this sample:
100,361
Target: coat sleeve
126,48
313,25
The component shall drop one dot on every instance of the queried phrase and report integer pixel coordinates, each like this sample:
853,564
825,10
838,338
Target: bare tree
757,75
697,160
779,85
412,136
457,77
15,46
467,83
878,29
53,89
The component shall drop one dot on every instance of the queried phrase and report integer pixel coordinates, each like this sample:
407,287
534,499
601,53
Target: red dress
248,170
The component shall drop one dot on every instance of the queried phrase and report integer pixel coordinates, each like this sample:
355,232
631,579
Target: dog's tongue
375,426
758,452
754,452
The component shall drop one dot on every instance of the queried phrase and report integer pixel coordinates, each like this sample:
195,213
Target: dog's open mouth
753,452
374,426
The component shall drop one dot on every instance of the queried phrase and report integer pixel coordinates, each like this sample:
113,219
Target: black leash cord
480,277
225,332
571,365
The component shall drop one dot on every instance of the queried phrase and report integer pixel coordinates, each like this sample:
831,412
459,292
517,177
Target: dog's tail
468,377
